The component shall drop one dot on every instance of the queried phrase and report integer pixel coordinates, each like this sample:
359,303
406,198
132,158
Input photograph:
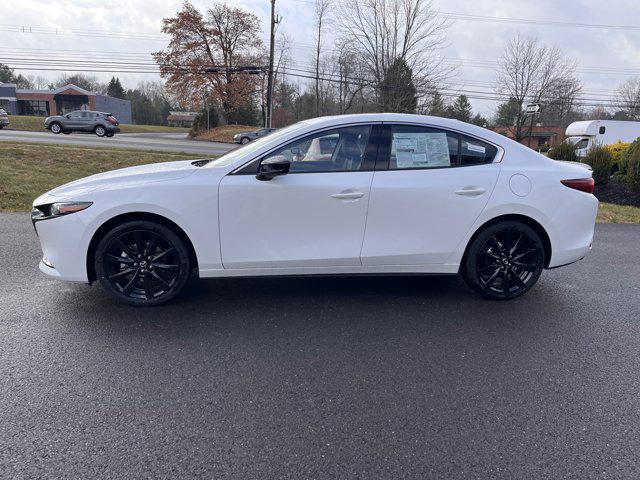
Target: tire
142,263
109,135
100,131
1,127
504,260
55,127
245,140
66,132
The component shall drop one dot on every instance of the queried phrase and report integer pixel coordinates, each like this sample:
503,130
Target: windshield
254,146
573,140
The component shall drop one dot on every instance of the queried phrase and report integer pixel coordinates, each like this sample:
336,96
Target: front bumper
64,243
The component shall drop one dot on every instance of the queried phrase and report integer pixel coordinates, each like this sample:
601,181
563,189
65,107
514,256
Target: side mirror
68,115
272,167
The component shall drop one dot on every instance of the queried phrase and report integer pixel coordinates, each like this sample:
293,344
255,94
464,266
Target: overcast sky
476,41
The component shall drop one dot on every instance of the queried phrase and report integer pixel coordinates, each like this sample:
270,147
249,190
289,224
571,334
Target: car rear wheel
142,263
100,131
109,135
245,140
504,261
55,128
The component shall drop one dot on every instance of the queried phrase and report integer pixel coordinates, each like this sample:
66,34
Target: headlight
57,209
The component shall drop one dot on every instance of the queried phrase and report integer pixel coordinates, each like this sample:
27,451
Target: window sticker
416,150
476,148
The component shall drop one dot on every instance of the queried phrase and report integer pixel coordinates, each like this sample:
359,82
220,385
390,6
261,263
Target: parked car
246,137
4,118
85,121
436,196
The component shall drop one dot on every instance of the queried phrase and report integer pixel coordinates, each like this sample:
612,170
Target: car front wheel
142,263
504,260
100,131
244,140
55,128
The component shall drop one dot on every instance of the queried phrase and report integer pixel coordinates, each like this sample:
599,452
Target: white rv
584,135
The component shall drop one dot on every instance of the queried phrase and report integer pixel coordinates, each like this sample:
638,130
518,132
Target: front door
432,187
314,216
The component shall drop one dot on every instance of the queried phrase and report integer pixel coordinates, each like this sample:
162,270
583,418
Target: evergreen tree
397,90
114,89
479,120
461,109
437,106
507,113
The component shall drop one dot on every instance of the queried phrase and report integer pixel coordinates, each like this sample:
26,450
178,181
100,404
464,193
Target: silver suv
101,123
4,118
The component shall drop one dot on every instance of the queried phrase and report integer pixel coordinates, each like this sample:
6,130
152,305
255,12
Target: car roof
427,120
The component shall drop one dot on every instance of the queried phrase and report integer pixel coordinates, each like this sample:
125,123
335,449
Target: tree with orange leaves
224,40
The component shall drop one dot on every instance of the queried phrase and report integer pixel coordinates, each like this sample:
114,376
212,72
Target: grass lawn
611,213
35,124
30,169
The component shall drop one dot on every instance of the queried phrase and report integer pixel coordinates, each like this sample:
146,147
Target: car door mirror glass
272,167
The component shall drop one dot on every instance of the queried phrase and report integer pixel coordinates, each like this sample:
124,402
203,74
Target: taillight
112,120
582,184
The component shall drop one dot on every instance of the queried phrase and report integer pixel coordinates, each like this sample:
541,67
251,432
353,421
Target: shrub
618,151
626,154
600,160
563,151
200,122
632,160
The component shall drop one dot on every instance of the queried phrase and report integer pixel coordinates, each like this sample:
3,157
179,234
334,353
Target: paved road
323,378
170,142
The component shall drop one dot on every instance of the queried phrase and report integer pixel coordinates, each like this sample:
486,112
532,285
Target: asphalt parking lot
323,378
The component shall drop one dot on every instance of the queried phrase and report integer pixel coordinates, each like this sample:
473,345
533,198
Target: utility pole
272,41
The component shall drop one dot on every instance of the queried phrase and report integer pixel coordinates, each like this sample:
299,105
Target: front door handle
348,195
470,191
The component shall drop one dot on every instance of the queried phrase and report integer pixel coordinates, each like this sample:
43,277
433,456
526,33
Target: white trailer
584,135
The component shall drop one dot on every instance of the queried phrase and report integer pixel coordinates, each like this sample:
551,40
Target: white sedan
353,194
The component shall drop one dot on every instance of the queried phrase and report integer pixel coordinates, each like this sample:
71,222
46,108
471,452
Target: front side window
340,149
422,147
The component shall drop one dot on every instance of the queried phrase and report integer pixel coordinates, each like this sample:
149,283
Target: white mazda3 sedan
352,194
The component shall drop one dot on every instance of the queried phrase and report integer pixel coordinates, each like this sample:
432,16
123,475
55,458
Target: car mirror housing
272,167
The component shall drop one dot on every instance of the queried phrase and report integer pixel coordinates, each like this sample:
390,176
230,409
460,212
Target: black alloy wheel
504,261
142,263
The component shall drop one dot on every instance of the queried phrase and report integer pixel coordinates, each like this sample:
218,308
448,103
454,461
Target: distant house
181,119
22,101
539,137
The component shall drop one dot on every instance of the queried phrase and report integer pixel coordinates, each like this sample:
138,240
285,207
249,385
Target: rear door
429,187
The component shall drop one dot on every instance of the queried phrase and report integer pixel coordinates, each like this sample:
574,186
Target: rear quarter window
476,152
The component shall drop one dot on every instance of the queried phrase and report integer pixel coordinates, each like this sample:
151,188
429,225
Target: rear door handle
348,195
470,192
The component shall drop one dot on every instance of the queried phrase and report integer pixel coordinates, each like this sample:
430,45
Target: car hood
132,176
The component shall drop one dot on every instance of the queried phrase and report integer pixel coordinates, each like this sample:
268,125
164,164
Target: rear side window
475,152
422,147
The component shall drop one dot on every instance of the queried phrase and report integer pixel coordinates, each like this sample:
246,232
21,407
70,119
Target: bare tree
530,72
628,98
383,31
560,104
322,20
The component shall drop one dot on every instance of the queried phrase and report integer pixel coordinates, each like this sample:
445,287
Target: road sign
532,108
